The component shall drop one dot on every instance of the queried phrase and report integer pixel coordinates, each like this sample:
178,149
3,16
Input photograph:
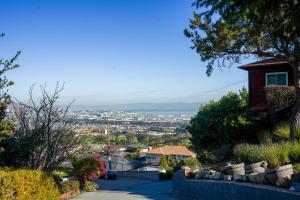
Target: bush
193,163
219,154
282,131
164,163
294,153
27,184
275,154
90,186
280,97
296,168
224,122
67,186
264,137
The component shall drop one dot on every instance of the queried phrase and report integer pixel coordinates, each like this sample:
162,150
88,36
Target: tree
45,135
223,122
5,66
223,32
164,162
85,169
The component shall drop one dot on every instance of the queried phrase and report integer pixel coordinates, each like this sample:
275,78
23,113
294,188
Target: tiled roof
267,62
172,150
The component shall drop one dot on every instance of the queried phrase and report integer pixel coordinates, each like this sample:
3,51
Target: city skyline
104,65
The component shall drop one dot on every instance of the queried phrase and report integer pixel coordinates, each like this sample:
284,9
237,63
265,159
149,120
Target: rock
258,167
228,178
203,175
238,169
283,181
257,178
240,178
216,176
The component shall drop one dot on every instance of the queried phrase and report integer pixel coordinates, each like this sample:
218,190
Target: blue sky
109,52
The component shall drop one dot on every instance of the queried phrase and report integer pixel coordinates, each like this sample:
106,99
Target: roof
263,63
172,150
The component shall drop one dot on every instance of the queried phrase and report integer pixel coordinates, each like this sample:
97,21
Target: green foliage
164,163
90,139
217,155
27,184
294,153
264,137
132,156
224,32
224,122
84,167
90,186
275,154
67,186
296,168
193,163
282,131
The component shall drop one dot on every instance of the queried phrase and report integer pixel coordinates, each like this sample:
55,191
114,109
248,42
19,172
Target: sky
109,52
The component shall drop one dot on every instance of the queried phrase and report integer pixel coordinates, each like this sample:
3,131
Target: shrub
224,122
27,184
294,153
90,186
275,154
296,168
264,137
280,97
132,156
193,163
219,154
72,185
164,163
282,131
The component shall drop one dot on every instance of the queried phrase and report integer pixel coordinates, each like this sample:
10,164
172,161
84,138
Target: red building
270,72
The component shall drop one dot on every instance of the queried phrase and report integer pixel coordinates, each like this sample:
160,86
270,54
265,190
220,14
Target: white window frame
276,73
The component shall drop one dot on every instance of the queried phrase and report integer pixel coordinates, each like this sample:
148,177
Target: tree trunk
295,115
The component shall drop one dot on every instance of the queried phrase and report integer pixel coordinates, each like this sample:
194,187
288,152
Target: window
277,78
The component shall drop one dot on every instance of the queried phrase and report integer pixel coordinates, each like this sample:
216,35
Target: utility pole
108,143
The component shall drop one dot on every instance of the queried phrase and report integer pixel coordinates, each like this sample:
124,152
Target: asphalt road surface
130,189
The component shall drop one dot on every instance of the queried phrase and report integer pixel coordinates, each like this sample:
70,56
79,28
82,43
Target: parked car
112,174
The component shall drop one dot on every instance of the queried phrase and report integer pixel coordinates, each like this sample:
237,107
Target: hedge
26,185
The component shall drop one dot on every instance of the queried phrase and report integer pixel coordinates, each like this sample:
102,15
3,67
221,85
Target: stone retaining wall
148,175
223,190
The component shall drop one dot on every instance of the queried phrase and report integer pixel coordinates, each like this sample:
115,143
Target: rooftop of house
263,63
172,150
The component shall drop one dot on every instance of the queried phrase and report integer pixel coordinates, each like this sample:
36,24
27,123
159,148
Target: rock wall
223,190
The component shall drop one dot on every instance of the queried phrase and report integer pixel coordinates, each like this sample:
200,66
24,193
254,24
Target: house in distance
172,152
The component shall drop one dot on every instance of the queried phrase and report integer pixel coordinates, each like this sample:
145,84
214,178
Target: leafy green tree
5,66
164,162
225,31
223,122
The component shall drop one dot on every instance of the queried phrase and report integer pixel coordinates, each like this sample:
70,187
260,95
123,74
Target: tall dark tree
225,31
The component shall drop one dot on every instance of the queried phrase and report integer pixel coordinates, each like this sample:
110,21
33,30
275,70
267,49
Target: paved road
130,189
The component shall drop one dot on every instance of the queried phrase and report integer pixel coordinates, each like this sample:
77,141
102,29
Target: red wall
257,81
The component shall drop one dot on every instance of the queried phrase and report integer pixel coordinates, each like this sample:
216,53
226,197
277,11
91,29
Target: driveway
130,189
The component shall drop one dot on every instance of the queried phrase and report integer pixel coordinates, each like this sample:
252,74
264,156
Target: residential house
173,152
270,72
